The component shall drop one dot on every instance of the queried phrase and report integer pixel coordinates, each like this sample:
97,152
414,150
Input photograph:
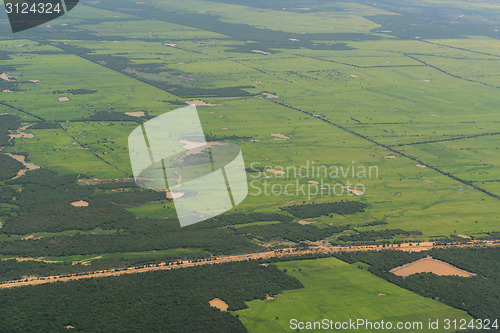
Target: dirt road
412,247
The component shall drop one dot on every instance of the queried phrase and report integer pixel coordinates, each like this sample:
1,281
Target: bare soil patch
20,259
63,99
355,192
352,75
278,136
268,95
170,44
430,265
276,172
135,114
261,52
219,304
304,222
80,203
199,102
390,157
421,166
28,166
313,182
176,195
85,262
6,77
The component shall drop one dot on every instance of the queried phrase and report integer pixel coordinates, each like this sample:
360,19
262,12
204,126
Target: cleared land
430,265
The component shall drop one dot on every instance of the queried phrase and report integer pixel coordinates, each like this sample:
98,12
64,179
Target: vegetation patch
305,211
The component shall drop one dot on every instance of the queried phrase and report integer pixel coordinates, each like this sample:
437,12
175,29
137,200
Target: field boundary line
463,181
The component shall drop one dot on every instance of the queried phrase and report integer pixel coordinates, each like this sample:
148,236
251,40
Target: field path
410,247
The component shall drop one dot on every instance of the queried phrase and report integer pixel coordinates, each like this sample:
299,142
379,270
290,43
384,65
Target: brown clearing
28,166
390,157
356,192
276,172
430,265
293,39
280,136
5,77
31,237
68,327
198,102
421,165
219,304
20,259
20,134
352,75
170,44
7,91
269,297
261,52
80,203
174,195
435,115
313,182
192,144
304,222
34,81
86,262
135,114
464,236
380,294
63,99
408,247
268,95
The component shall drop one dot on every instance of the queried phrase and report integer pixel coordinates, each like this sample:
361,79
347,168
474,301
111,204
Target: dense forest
161,301
290,231
9,167
7,122
305,211
478,295
377,235
43,200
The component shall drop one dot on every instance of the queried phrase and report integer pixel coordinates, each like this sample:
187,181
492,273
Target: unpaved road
412,247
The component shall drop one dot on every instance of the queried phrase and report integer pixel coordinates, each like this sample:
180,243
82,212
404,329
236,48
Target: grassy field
338,291
384,97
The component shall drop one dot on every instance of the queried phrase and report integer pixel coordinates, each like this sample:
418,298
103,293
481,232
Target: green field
338,291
